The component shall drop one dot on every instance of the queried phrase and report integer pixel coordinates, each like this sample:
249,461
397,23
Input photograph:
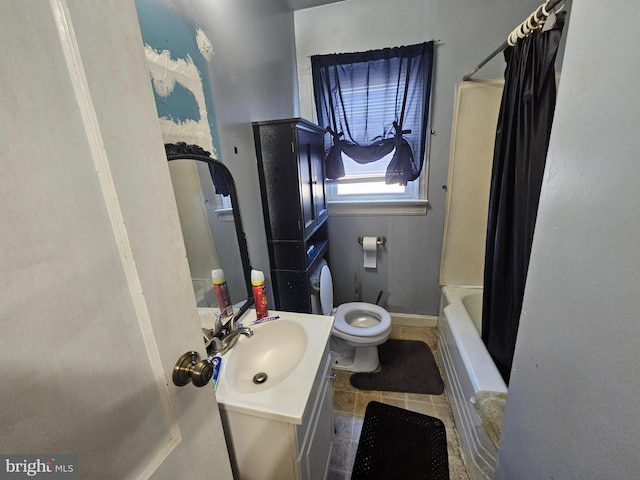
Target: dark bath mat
400,444
406,366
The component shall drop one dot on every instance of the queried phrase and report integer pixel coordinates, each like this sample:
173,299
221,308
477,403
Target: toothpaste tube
266,319
216,361
260,320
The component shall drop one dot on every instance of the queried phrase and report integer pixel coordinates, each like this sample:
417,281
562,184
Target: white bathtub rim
480,367
455,293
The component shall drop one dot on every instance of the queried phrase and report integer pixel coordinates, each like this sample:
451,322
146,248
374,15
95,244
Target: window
375,107
365,182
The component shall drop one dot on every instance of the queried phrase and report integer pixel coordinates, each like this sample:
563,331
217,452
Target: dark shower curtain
522,138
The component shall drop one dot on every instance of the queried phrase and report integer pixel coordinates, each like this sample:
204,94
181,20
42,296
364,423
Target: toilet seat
353,348
348,315
347,311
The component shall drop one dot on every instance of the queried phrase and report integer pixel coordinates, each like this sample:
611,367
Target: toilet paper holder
381,240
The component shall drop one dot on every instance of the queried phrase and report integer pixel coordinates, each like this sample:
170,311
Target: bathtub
467,369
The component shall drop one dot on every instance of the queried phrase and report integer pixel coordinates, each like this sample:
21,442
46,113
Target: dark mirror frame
182,151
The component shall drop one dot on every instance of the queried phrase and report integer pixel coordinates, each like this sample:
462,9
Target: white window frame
413,201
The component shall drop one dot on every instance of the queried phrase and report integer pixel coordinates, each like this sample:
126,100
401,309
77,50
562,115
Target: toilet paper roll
370,247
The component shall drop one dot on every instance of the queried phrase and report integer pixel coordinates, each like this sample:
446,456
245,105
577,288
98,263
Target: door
96,302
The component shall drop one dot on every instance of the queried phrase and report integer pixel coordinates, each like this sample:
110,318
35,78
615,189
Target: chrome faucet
229,340
220,339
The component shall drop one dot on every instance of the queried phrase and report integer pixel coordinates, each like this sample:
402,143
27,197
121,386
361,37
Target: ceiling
302,4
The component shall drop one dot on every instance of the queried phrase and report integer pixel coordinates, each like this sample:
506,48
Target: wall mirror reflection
211,224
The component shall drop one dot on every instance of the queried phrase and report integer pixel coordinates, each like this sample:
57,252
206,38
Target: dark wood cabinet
291,171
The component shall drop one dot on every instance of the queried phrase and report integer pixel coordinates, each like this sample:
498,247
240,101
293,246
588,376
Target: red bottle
259,295
222,293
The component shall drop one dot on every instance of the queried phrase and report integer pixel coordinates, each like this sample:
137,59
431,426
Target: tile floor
350,404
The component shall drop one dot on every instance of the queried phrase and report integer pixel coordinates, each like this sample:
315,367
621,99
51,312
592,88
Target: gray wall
468,32
572,411
253,78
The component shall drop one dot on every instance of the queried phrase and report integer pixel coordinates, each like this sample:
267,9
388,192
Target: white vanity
275,395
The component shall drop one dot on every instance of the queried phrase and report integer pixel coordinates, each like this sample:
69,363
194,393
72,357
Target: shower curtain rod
546,7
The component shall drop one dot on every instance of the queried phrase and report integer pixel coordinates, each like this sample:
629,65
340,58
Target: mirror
211,225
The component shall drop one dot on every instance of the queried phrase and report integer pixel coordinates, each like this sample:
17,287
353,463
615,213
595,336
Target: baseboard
413,320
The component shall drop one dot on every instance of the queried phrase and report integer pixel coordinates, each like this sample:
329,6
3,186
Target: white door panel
96,303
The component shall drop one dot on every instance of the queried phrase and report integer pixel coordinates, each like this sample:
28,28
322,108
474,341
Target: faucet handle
207,333
215,341
210,337
219,325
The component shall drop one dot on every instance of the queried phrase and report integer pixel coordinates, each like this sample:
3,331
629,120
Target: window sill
225,214
385,207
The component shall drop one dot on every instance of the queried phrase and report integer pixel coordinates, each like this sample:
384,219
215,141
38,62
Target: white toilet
358,328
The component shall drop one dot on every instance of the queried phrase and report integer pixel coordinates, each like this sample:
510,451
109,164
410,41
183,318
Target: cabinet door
307,186
316,154
291,290
318,452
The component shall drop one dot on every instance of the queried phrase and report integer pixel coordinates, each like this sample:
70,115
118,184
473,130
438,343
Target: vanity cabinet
292,183
271,449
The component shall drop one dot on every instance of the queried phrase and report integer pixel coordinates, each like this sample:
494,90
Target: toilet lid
326,291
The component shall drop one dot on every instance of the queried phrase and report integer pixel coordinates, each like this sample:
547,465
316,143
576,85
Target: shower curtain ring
539,19
512,39
531,26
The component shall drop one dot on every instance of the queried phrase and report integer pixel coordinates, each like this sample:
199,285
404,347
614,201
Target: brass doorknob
189,368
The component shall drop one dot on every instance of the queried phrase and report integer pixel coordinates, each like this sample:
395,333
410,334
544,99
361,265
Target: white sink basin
290,351
267,358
